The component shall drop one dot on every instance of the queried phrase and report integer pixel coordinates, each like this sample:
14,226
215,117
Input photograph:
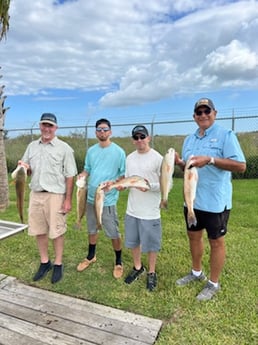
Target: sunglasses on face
139,136
100,129
200,112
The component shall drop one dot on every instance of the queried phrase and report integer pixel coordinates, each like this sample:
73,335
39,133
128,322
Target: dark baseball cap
140,129
204,102
100,121
48,118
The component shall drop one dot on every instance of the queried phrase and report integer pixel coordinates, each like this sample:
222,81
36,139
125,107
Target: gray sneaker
208,292
190,277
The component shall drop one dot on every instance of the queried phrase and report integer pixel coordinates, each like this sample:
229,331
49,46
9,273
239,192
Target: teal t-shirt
104,164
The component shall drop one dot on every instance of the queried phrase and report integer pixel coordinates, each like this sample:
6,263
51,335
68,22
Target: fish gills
190,185
81,198
166,174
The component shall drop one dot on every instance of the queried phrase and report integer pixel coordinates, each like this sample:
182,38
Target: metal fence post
152,132
233,119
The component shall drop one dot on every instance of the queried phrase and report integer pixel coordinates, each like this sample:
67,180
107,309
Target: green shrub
251,168
15,148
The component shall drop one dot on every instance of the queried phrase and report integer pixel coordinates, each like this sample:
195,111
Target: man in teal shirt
104,161
216,153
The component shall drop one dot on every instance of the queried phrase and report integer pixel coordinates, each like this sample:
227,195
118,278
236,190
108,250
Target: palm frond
4,18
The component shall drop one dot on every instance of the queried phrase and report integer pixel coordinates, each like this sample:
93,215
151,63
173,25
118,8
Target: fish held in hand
131,182
166,174
190,185
99,204
19,175
81,197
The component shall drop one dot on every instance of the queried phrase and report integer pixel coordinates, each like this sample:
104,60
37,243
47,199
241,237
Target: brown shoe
118,271
85,264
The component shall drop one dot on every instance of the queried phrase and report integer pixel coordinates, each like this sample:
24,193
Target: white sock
196,273
214,284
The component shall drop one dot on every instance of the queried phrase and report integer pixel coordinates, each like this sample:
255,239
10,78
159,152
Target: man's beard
103,139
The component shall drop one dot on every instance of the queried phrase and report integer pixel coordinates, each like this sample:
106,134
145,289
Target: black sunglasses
105,129
139,136
200,112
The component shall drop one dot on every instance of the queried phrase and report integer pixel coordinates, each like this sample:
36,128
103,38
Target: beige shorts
44,216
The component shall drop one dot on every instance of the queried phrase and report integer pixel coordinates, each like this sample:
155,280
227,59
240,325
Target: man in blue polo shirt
216,153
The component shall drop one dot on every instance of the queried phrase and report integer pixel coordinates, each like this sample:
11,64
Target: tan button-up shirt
50,165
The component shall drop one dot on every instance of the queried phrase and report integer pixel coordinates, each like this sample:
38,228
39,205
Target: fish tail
20,209
19,175
99,226
163,204
20,199
77,226
191,219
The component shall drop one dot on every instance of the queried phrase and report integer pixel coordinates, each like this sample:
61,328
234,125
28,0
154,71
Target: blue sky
128,60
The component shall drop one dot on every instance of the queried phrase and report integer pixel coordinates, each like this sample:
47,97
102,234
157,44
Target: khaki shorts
44,216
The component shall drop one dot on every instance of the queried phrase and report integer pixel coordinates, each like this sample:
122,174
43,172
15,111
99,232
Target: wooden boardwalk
32,316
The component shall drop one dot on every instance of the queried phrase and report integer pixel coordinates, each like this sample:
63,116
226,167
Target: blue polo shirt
214,187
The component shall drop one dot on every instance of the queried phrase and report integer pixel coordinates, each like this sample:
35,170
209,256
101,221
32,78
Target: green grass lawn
230,318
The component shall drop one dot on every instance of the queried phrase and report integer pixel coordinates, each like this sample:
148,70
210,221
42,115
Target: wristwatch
212,161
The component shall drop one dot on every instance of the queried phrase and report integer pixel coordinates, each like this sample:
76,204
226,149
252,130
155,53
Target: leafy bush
251,168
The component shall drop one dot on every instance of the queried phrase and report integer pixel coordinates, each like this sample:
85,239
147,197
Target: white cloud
234,61
136,51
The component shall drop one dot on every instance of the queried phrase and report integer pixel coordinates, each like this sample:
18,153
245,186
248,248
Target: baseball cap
140,129
100,121
204,102
48,118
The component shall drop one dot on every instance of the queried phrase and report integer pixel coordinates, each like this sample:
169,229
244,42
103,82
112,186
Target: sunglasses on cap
100,129
205,111
139,136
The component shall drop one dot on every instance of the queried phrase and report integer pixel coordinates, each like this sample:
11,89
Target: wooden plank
9,337
37,333
79,315
44,315
6,281
148,327
66,327
2,276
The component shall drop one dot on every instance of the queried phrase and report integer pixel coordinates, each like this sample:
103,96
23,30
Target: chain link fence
163,132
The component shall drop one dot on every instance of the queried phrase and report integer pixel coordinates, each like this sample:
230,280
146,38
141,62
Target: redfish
190,185
81,197
166,174
99,204
130,182
19,175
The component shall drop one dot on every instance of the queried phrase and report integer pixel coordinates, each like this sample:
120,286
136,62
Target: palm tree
4,17
4,191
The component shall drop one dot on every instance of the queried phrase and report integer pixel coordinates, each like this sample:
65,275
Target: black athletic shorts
214,223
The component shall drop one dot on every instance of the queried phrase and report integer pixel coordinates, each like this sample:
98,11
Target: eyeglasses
139,136
100,129
200,112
